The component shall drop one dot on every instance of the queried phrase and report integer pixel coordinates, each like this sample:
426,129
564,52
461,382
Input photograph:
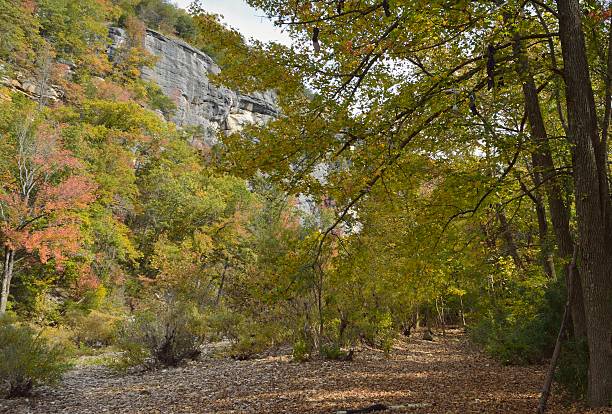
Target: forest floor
447,375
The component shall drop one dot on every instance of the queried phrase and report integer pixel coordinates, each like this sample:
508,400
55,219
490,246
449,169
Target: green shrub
224,323
332,352
385,332
520,328
157,100
248,347
61,337
301,351
133,354
27,359
95,329
572,369
251,338
165,334
247,338
45,309
376,330
511,342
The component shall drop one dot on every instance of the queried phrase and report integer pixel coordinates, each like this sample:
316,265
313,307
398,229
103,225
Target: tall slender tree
42,191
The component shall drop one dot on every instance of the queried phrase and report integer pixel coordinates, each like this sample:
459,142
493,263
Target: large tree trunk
544,166
7,275
592,203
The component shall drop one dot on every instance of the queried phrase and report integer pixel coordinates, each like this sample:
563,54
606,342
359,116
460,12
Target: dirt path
445,376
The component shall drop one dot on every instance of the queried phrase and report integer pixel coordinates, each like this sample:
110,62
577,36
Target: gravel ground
444,376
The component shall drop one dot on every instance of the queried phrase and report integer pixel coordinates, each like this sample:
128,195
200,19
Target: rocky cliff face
182,73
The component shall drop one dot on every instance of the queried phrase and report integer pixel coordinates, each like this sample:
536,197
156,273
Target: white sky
238,14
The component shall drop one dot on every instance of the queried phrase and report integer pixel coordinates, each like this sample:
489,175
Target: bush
522,328
332,352
385,333
247,347
301,351
376,330
95,329
512,343
61,337
157,100
572,369
253,339
27,359
185,27
162,335
249,338
223,323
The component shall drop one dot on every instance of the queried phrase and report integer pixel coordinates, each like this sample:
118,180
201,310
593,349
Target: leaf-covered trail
445,376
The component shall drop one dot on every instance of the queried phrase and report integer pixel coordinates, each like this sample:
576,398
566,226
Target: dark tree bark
592,203
545,168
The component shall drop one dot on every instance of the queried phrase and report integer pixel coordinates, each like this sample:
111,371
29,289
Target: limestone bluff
182,72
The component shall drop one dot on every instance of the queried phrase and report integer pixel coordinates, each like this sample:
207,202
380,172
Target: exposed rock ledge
29,87
182,73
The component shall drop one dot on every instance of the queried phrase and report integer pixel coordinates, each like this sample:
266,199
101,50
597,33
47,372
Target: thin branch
546,7
473,210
